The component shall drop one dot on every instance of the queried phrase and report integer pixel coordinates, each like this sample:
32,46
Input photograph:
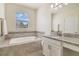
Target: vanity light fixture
52,5
58,5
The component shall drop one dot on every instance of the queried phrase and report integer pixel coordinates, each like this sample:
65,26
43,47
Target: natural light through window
21,19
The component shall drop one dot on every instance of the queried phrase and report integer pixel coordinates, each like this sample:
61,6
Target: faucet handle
59,33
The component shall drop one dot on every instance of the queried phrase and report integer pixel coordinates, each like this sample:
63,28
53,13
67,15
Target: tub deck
23,46
26,49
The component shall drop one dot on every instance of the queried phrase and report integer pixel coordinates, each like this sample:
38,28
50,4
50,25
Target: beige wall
11,17
44,19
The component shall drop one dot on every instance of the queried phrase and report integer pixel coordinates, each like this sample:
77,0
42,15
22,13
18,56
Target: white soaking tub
22,40
19,41
22,46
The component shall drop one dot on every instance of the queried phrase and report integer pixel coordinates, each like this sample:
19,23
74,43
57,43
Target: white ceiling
36,6
33,5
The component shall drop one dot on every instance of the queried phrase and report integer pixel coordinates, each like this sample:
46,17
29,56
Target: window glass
21,20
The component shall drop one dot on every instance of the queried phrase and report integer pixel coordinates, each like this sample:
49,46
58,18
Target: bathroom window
21,19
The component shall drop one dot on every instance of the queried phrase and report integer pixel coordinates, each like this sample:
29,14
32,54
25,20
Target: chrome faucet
59,33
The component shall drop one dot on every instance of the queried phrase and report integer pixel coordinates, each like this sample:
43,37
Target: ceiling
38,5
33,5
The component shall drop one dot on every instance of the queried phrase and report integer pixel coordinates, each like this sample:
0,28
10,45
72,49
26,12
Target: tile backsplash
56,33
23,34
71,35
19,34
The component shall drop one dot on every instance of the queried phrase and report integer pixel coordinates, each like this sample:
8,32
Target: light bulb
52,6
56,4
60,6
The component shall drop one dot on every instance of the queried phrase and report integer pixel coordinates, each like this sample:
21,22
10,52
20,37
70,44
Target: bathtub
22,46
20,40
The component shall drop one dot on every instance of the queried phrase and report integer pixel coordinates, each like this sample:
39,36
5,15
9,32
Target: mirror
66,19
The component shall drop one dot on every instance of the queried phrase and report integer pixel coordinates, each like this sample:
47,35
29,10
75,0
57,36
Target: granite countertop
71,40
54,37
64,39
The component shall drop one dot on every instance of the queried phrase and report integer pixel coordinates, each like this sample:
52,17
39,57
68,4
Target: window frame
26,14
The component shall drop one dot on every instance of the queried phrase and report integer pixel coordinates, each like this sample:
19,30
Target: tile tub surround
20,34
27,49
23,34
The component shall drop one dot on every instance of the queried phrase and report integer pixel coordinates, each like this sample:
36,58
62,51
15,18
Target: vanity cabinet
51,47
